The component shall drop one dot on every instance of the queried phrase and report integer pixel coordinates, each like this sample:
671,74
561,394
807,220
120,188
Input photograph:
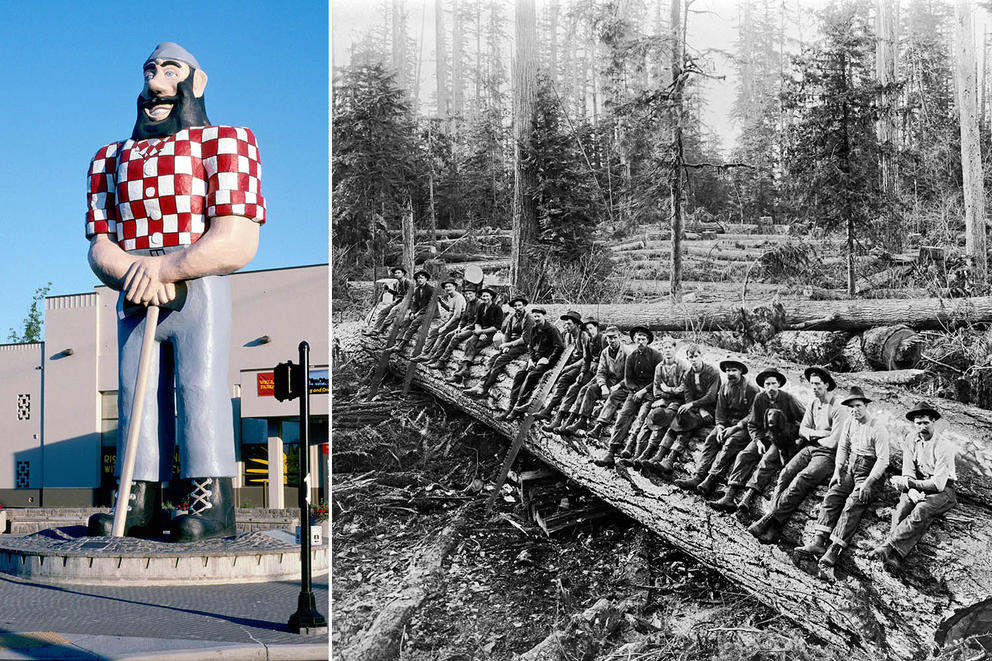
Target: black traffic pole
307,619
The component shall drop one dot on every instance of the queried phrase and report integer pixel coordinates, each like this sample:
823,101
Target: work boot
729,501
816,548
554,424
649,450
890,558
745,508
143,509
654,460
832,555
635,443
563,423
544,413
211,512
761,526
688,483
595,430
668,463
459,374
708,486
609,461
576,424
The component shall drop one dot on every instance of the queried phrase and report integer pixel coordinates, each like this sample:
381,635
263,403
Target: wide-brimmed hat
449,281
574,316
591,320
763,376
641,329
487,289
823,374
520,298
727,364
612,330
423,273
397,268
855,394
923,407
688,421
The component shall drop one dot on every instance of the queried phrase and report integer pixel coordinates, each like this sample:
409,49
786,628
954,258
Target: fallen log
456,233
861,607
581,637
810,347
850,315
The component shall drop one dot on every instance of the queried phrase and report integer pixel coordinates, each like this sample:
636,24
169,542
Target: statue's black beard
187,110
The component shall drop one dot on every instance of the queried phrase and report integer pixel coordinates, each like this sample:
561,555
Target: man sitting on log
488,319
694,418
729,436
450,306
638,383
386,315
423,292
545,347
575,339
926,484
516,330
609,378
446,342
862,457
773,422
813,464
592,347
656,413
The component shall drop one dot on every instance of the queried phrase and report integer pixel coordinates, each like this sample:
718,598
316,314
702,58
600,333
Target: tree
524,96
33,324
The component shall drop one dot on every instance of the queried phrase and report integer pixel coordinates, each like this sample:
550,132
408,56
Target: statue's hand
144,283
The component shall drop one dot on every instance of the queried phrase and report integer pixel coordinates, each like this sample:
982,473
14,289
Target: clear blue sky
72,72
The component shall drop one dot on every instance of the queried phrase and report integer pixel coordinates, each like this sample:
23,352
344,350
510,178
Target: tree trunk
676,175
971,154
892,347
885,72
398,44
441,61
524,97
457,59
862,608
849,315
409,253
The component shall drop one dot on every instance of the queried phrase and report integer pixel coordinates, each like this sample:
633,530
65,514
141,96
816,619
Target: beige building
58,428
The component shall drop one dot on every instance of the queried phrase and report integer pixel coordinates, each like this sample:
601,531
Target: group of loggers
656,405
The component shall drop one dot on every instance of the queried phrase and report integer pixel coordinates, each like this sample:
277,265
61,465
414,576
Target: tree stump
892,347
980,380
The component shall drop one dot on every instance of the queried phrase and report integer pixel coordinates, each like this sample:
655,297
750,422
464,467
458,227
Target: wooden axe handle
134,424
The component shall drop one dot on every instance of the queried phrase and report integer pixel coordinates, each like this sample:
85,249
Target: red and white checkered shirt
164,191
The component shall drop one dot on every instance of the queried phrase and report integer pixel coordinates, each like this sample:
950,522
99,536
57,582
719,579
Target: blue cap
168,50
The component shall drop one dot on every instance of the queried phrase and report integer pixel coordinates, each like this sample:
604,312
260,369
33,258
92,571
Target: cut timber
810,347
892,347
851,315
456,233
908,377
867,610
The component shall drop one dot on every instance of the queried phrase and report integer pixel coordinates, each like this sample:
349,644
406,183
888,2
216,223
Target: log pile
859,606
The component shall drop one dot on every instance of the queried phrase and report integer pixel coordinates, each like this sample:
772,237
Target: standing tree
677,175
34,324
525,227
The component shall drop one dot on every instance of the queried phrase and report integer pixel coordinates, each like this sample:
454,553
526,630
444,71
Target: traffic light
287,381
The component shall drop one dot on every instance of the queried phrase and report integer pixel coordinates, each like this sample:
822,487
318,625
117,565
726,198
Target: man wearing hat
447,341
656,412
814,463
179,201
516,330
862,457
488,319
638,382
450,306
773,421
545,346
693,419
592,348
729,436
423,293
608,378
926,485
575,340
387,314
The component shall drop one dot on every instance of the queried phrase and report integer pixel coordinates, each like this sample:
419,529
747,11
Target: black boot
745,508
554,424
142,513
708,486
761,526
564,422
832,555
596,430
816,548
729,501
653,461
576,424
668,463
633,441
211,513
688,483
649,449
609,461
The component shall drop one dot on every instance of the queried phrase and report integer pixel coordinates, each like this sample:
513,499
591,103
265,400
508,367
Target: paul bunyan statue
179,204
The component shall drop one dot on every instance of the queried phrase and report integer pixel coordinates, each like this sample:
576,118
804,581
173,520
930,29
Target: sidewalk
236,622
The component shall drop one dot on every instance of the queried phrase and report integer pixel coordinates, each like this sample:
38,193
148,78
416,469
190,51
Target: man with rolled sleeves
575,339
447,341
656,412
178,202
545,347
729,436
926,485
488,319
814,463
608,378
592,348
638,384
387,314
516,330
695,418
450,305
423,293
773,422
862,457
